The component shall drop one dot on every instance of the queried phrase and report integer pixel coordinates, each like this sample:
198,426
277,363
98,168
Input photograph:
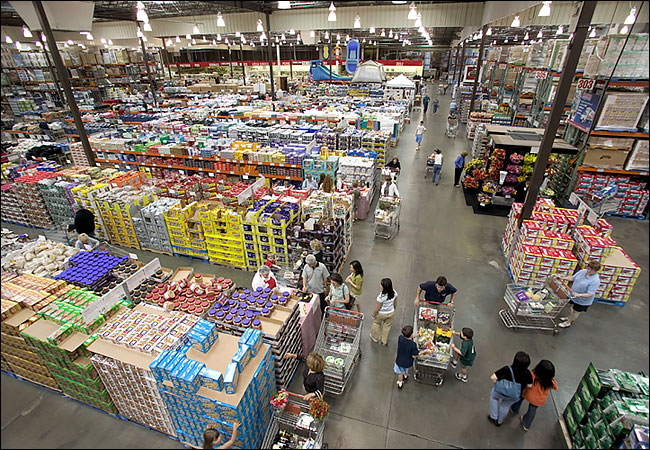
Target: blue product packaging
230,378
211,379
254,341
170,364
191,376
243,339
156,364
176,375
242,356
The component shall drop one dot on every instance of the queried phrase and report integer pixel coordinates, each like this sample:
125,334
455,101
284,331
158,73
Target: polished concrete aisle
439,235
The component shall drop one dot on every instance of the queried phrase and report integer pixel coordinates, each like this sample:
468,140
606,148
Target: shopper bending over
583,290
84,222
314,276
518,372
436,291
389,187
85,242
313,378
212,438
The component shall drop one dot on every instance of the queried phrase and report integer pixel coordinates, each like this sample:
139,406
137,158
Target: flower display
490,186
508,190
479,174
516,158
470,183
521,178
513,168
530,159
526,170
511,178
499,153
484,198
493,173
280,399
318,409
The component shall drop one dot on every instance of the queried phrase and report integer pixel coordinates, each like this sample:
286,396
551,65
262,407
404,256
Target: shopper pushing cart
452,125
292,425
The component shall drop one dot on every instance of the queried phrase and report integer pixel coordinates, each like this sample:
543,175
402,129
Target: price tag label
517,69
541,75
200,158
573,198
534,150
582,207
592,217
586,83
502,66
245,177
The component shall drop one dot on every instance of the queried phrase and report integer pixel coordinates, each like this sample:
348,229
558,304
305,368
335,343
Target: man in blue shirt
309,182
583,290
436,291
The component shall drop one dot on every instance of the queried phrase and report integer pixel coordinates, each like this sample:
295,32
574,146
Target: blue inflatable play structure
318,72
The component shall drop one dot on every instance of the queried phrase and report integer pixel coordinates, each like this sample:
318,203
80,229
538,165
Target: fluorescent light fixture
214,42
413,12
26,32
105,45
204,40
364,40
403,43
237,34
357,21
629,20
219,36
189,44
65,45
506,41
277,39
546,10
331,17
421,29
489,32
593,33
327,35
102,40
390,34
195,29
338,37
284,5
226,41
260,27
383,33
418,21
515,22
110,42
516,38
70,42
147,27
372,30
243,39
298,38
8,40
526,37
18,45
347,37
312,33
624,30
252,44
90,37
292,32
43,38
283,37
571,36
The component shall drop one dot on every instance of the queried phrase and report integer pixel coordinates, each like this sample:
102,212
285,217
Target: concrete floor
440,236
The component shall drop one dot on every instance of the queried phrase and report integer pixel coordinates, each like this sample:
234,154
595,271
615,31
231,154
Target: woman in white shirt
437,165
384,312
388,187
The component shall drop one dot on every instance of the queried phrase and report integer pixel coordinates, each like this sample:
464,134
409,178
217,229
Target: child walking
407,351
536,394
419,131
465,354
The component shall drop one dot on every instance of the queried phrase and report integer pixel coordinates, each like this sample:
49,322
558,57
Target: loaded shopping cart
293,427
387,216
432,327
535,309
338,342
60,233
452,127
428,169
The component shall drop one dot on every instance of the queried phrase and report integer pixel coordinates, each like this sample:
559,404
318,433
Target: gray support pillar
330,56
377,57
270,54
145,55
166,53
568,72
65,81
59,90
230,61
241,60
462,63
479,62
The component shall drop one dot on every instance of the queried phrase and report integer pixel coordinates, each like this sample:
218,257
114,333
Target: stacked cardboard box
222,228
31,200
213,381
12,210
185,229
58,198
150,226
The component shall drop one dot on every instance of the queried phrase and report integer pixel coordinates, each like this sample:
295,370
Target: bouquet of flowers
497,163
513,168
474,164
483,198
530,159
493,173
470,183
521,178
280,399
507,190
479,174
318,408
499,153
526,170
511,178
490,186
516,158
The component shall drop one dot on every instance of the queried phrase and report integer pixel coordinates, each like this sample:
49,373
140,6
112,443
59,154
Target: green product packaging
577,408
595,413
577,439
616,427
585,395
591,377
570,421
605,442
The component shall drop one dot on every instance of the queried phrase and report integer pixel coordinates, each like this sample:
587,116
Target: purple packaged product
212,312
229,317
261,303
269,305
259,289
274,298
265,296
247,292
220,315
249,314
241,313
256,294
266,311
521,296
236,320
285,294
246,323
257,323
267,291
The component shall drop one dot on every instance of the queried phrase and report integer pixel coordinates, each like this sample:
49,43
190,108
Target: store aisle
439,235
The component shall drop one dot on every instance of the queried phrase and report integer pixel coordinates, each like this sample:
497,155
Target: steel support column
166,53
568,72
65,81
270,54
241,60
145,55
479,62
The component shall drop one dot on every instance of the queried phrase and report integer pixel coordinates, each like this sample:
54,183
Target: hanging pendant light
383,33
70,42
357,21
260,27
593,33
390,34
540,35
331,17
178,39
193,41
624,30
629,20
27,33
18,45
546,10
8,40
283,37
243,39
195,29
372,30
219,36
327,35
220,21
560,30
90,37
526,37
515,22
284,5
489,32
418,21
188,37
413,12
262,36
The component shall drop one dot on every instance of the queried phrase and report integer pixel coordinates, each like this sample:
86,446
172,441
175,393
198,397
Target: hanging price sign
541,74
586,83
517,69
502,66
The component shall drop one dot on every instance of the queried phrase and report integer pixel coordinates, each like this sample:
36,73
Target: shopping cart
432,327
604,201
293,427
338,342
535,314
428,168
387,216
441,89
452,128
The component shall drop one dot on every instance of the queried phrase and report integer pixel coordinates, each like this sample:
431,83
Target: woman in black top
313,376
317,249
395,164
500,404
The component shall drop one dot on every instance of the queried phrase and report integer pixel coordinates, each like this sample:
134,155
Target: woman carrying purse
355,282
509,383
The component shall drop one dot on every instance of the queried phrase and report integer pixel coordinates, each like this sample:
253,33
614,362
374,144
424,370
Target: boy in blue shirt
407,351
583,290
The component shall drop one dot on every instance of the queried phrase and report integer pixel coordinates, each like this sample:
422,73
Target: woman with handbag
509,383
339,295
355,282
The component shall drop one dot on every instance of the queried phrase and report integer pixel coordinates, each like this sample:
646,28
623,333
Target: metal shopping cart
338,342
432,327
428,168
387,216
452,128
293,427
535,313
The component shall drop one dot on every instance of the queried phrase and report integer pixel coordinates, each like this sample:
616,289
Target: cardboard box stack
222,228
150,226
271,227
185,229
12,210
31,200
331,234
607,407
632,195
640,157
215,379
58,198
122,355
78,154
